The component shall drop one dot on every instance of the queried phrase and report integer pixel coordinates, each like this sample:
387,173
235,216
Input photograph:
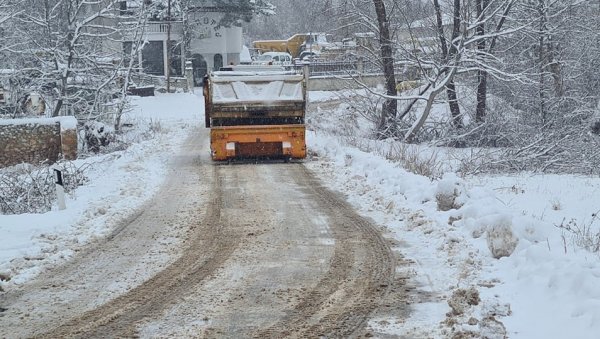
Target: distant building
208,46
212,46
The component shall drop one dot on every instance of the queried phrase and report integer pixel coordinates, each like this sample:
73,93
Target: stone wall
37,141
327,83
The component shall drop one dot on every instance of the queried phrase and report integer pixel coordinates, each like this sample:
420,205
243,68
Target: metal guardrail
350,68
338,68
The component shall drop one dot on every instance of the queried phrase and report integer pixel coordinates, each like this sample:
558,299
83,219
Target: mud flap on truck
278,141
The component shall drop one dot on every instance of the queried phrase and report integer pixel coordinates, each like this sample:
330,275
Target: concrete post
189,74
165,58
68,142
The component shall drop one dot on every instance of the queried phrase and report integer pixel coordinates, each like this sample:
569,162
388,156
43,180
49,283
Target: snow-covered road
446,281
249,250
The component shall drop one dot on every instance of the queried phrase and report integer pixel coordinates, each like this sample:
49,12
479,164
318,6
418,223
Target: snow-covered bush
500,238
97,135
449,192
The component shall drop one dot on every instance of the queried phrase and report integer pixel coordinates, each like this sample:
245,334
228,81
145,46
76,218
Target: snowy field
547,288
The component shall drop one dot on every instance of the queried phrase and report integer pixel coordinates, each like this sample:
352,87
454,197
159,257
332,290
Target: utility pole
169,46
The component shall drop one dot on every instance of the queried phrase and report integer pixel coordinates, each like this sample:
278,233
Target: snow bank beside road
546,288
118,184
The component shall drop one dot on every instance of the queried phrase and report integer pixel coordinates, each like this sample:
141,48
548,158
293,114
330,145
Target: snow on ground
118,184
547,287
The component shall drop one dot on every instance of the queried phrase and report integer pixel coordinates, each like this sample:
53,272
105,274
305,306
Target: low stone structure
331,83
37,141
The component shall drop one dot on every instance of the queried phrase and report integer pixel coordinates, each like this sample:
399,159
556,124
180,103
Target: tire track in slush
360,272
355,283
119,317
360,275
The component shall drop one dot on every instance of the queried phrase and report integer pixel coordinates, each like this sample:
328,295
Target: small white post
60,190
189,74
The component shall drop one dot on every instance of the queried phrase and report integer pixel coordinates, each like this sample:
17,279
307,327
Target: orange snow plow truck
255,114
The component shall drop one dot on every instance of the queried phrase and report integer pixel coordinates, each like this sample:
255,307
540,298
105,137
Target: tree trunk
64,77
482,74
480,111
440,29
542,60
453,103
389,108
56,111
451,87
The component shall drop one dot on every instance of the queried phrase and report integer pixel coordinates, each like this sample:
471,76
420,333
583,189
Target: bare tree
469,49
553,53
480,7
389,108
134,34
483,12
452,52
292,17
64,46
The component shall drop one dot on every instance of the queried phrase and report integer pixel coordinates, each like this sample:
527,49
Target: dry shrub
415,161
427,164
584,235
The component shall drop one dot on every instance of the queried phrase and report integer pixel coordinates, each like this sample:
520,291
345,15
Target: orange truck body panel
278,141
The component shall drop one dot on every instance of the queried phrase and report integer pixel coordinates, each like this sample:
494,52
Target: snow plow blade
268,141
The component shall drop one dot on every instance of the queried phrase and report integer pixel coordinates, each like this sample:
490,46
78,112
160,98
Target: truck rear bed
256,114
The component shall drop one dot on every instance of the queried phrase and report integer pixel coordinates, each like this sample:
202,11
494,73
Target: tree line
519,73
78,55
504,73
